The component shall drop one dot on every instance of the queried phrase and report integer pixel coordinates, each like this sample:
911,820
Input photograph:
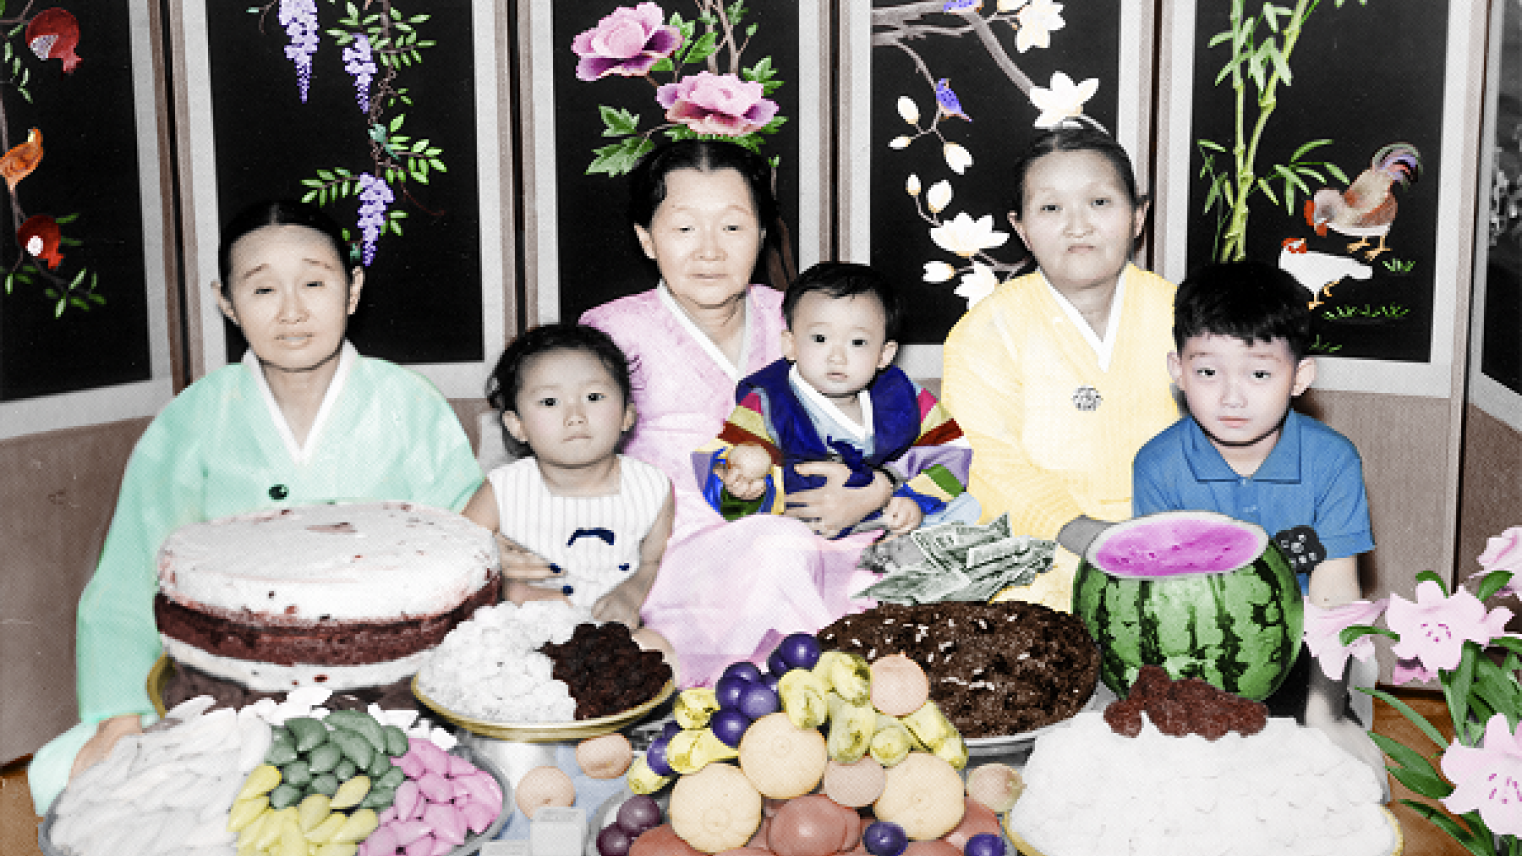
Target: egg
782,760
605,757
976,819
923,794
812,825
899,685
544,786
714,809
996,786
855,785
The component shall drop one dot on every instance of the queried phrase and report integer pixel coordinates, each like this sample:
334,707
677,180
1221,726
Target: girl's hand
519,593
621,604
833,507
902,515
521,563
99,747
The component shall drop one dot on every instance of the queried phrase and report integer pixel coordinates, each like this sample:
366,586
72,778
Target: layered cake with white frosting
341,596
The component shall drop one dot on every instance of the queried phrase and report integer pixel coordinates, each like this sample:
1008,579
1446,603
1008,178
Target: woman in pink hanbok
726,591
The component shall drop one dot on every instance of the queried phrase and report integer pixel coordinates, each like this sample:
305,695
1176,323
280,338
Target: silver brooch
1086,398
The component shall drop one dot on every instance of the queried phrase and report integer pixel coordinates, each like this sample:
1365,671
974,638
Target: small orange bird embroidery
19,162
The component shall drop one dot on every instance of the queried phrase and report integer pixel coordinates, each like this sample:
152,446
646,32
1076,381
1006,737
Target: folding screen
584,129
1332,139
84,335
384,113
939,98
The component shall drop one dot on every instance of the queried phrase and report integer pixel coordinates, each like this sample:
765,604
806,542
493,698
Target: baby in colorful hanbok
835,395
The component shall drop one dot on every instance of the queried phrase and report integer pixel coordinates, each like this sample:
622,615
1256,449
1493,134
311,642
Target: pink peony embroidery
720,104
1488,779
626,42
1434,629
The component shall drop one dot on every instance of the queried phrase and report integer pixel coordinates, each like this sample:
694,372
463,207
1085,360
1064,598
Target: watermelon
1198,593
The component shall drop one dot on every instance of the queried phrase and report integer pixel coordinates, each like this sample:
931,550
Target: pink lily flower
1488,779
1323,628
1406,671
1502,553
1434,629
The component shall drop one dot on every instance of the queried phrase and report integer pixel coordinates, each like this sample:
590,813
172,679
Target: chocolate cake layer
333,643
995,668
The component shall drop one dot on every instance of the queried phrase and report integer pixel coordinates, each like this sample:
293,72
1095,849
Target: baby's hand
621,604
521,563
902,515
744,471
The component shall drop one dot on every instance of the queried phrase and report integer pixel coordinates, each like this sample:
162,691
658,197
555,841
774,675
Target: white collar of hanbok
685,321
298,452
1103,348
861,431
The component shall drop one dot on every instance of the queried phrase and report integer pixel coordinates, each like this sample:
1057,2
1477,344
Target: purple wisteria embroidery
376,42
299,17
374,198
359,64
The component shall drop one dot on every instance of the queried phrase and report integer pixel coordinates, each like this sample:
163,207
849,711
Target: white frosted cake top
345,562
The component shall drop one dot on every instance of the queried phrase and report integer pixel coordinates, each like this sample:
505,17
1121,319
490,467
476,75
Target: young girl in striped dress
574,519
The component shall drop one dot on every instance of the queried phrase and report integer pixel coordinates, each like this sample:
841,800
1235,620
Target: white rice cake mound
489,667
1285,790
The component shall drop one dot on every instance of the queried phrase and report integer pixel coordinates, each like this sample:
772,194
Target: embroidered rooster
1318,272
1367,207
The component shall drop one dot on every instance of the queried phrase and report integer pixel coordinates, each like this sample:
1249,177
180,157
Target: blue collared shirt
1312,477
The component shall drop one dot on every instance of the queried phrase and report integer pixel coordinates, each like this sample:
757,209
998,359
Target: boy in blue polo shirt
1243,331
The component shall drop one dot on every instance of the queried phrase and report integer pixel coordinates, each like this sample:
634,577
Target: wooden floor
18,824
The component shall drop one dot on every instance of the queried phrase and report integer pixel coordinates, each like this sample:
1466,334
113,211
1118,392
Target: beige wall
1491,501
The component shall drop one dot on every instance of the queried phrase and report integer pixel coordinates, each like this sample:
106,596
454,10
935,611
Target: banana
892,742
642,779
847,674
851,729
695,706
804,698
938,734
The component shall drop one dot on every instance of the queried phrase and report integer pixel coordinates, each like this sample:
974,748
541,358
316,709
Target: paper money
956,561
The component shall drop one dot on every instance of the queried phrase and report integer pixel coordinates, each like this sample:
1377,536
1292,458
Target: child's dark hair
1081,139
1253,301
280,212
503,385
647,190
845,279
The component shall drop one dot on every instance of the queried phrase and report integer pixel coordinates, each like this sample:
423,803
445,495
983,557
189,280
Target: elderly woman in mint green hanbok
302,418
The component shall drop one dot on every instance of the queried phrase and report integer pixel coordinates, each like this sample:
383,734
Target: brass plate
546,732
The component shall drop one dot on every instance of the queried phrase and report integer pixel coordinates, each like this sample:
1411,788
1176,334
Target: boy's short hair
845,279
1253,301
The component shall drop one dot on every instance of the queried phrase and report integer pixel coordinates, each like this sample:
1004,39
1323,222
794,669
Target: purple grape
800,650
984,844
655,756
771,679
882,838
778,664
729,726
613,841
638,814
671,729
743,669
757,701
728,690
